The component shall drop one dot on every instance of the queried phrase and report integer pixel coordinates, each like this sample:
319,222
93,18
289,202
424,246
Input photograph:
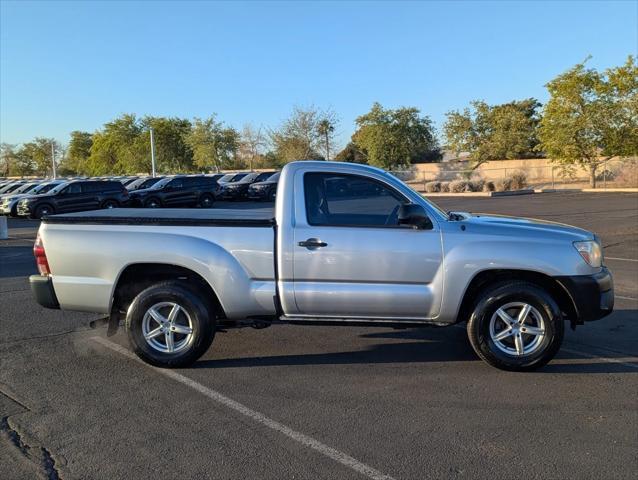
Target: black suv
266,190
179,191
237,189
75,196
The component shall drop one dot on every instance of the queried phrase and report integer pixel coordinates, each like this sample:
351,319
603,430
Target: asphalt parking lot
320,402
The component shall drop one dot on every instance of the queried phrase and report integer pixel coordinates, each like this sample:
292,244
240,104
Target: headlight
591,252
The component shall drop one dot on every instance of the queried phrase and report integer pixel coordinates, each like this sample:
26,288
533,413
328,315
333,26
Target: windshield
25,188
274,177
161,183
249,178
58,188
227,177
45,187
11,187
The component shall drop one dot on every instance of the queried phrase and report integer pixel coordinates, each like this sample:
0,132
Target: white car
9,202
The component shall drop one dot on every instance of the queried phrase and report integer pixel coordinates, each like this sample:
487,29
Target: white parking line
305,440
602,359
621,259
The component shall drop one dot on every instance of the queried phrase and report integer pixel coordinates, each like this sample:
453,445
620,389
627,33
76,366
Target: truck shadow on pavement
428,345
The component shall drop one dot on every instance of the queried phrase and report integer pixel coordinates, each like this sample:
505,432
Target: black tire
516,293
272,195
202,320
152,203
42,211
110,204
206,200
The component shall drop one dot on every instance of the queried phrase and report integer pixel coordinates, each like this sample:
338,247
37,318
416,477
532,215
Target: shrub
503,184
518,180
477,185
488,187
458,186
433,187
445,187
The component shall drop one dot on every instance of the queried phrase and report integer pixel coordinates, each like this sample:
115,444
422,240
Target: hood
265,182
143,191
505,225
15,196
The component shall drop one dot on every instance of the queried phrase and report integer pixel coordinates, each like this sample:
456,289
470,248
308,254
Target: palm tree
325,129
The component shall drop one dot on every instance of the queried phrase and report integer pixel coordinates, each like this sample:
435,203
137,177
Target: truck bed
168,216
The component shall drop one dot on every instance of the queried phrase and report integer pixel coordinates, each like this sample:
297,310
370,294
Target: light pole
152,152
53,158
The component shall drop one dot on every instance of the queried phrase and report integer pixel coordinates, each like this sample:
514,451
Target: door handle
312,243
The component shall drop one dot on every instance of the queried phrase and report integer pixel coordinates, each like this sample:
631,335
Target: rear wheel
516,326
206,201
272,195
170,325
43,211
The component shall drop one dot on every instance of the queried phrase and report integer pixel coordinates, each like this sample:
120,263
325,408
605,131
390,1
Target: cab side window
72,189
350,200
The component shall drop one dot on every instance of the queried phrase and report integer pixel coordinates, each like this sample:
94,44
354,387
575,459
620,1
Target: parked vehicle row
36,198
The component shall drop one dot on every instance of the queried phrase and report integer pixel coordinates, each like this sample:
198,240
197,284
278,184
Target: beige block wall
536,169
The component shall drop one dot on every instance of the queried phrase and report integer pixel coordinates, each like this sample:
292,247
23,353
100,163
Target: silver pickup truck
347,245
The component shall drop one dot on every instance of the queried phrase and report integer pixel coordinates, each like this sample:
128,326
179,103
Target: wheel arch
485,278
138,276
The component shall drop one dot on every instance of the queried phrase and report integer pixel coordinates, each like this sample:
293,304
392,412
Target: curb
480,194
509,193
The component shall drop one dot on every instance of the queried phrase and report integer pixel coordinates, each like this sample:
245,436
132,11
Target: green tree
77,154
213,144
591,117
120,148
326,129
36,156
8,158
494,132
172,152
351,154
299,137
394,138
251,144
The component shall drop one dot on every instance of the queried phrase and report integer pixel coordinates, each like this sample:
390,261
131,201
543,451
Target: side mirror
415,216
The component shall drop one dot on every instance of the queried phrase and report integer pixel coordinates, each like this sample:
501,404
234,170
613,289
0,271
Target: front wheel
170,325
152,203
516,326
206,201
110,204
43,211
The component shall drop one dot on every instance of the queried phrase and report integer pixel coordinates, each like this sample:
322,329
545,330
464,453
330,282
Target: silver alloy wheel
167,327
517,329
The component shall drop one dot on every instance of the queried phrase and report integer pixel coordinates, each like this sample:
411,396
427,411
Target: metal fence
613,173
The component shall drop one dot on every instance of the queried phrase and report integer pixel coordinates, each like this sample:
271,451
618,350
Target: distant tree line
589,117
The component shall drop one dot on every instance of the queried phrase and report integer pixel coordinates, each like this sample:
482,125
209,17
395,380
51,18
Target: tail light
41,257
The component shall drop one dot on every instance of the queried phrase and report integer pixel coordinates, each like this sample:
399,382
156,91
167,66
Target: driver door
353,260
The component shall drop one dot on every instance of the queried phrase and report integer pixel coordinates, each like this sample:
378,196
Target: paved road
320,402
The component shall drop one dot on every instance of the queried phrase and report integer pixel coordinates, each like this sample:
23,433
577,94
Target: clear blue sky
75,65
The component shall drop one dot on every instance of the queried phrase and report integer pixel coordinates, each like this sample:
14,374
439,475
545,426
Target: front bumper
232,194
24,210
42,289
592,295
260,194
